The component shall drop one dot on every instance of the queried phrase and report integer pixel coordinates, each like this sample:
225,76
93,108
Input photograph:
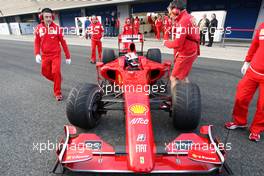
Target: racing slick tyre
82,106
154,55
108,55
186,106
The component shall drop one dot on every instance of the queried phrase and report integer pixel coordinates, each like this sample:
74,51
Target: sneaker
233,125
254,137
59,97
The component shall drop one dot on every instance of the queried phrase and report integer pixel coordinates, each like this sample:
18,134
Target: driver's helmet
132,60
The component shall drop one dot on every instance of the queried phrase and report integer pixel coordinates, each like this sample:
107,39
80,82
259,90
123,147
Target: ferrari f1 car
188,153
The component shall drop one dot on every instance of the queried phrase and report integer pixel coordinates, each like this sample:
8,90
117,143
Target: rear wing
139,38
127,39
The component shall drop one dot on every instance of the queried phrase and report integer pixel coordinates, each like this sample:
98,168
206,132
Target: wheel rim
95,106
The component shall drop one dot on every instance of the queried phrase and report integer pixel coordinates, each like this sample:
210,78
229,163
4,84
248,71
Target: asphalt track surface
30,115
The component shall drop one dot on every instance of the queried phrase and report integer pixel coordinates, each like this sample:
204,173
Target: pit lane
29,114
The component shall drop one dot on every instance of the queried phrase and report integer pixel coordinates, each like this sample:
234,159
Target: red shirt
96,30
256,51
137,23
186,43
48,40
158,23
167,23
150,21
127,29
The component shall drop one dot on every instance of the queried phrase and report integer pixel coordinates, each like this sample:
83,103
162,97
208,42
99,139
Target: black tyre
186,106
154,55
82,106
108,55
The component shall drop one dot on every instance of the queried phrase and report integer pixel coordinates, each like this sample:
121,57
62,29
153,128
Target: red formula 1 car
188,153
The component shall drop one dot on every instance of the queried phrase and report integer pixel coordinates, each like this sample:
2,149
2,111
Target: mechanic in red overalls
186,44
96,31
253,71
167,28
48,37
159,26
136,25
127,30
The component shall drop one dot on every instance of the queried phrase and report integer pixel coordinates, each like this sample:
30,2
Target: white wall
4,29
124,12
220,16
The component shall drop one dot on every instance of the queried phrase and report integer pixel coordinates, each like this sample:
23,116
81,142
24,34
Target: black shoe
209,45
92,62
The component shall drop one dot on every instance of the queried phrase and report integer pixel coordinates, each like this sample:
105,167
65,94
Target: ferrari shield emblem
142,160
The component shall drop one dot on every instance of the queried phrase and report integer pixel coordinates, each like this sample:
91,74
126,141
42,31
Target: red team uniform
186,45
47,44
159,26
136,25
253,80
96,31
127,30
167,28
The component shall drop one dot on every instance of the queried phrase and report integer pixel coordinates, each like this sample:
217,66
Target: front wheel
83,104
186,106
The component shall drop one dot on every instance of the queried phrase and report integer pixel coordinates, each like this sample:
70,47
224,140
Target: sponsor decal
141,138
76,157
203,157
41,32
261,32
141,148
140,121
142,160
138,109
261,37
94,145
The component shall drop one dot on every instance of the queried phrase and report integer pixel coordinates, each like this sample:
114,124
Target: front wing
89,153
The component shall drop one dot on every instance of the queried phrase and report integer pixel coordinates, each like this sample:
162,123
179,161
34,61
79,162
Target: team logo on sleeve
261,32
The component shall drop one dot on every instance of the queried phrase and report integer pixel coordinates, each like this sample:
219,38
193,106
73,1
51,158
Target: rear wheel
154,55
186,106
82,106
108,55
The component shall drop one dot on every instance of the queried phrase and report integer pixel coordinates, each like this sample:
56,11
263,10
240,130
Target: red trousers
166,35
245,92
98,44
51,69
183,66
159,30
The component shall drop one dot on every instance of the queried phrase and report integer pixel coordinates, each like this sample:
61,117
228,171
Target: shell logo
138,109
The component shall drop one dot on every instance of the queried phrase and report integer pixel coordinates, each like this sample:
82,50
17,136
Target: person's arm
37,43
216,23
199,23
253,47
124,30
64,44
102,30
179,40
